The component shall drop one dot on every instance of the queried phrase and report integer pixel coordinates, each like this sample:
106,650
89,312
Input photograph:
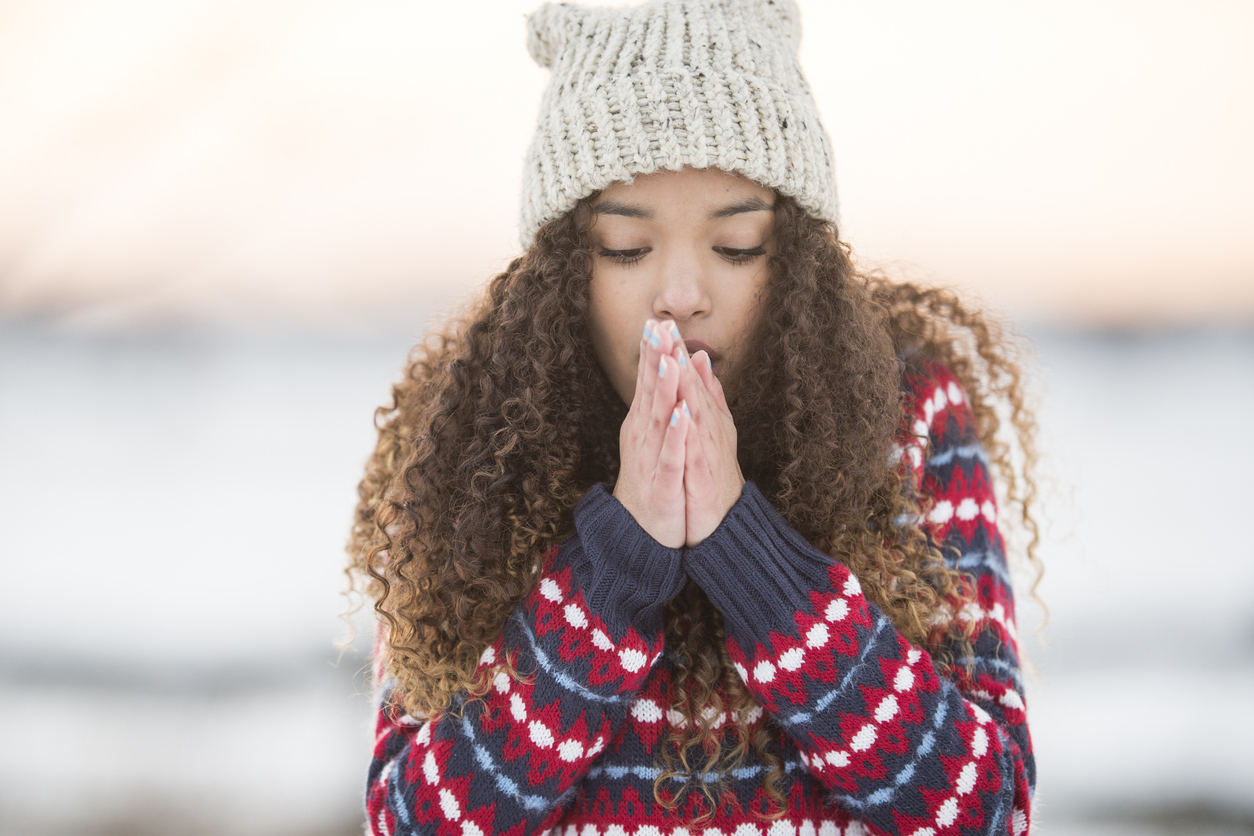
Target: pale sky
330,161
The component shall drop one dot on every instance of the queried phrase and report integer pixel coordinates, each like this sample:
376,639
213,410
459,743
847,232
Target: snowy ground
172,511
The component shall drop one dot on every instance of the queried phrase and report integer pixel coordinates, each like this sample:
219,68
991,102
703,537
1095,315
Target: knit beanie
669,84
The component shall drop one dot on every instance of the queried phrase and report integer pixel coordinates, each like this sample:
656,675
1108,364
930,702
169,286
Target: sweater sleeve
898,745
584,643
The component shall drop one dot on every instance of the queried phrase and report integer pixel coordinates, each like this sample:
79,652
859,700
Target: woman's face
690,245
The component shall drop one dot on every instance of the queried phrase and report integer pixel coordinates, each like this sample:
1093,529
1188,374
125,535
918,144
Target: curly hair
505,419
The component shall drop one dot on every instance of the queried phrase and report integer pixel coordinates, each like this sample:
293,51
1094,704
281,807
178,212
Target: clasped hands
678,473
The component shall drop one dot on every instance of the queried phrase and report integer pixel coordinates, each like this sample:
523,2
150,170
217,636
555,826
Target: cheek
614,336
746,309
749,302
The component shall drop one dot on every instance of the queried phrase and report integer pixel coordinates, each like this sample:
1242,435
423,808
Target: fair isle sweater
873,738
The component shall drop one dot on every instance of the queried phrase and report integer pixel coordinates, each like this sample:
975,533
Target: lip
694,346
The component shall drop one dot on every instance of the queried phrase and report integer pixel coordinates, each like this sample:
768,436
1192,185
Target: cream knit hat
672,83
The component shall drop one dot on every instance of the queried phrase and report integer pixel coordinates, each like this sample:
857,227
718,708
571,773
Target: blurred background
222,225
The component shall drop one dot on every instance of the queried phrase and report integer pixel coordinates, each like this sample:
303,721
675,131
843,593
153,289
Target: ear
549,29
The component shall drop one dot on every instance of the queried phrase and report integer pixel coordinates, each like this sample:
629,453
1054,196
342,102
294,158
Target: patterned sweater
873,739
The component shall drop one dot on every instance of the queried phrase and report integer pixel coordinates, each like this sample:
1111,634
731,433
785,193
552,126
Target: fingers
680,351
695,463
695,391
705,370
703,391
692,389
665,395
669,476
656,342
638,393
660,384
661,336
646,379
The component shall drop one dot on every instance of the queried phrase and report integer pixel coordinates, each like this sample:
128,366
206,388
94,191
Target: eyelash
625,257
740,256
629,257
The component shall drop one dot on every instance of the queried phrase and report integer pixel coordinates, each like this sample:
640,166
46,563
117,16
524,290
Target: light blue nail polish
647,332
686,412
661,368
653,340
674,417
683,361
674,330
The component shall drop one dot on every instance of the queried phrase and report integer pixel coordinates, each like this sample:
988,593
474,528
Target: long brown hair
505,419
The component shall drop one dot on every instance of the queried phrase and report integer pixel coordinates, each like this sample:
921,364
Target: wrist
667,532
702,525
755,568
625,574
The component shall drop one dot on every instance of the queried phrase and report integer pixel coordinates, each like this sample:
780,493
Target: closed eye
625,257
736,256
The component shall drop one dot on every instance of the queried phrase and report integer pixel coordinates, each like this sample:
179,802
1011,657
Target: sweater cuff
757,570
625,575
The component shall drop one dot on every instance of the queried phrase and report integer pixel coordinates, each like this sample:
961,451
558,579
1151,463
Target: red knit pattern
880,742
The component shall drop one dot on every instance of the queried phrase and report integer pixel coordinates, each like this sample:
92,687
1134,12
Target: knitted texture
623,572
673,83
872,736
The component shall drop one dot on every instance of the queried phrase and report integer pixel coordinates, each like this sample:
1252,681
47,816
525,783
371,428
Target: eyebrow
613,207
753,204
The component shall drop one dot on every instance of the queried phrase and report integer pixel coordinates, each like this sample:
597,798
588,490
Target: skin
680,269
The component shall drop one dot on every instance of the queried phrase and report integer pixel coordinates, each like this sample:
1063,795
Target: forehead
701,191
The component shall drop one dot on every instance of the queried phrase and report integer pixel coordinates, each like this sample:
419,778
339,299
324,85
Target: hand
713,480
651,442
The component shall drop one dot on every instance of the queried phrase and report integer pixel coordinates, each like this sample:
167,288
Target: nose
683,288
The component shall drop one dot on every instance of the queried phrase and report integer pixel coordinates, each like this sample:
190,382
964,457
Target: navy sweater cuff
756,569
625,575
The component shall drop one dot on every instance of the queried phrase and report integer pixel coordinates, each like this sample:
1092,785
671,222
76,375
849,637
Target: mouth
694,346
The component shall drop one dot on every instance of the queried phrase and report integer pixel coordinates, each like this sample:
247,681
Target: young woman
689,526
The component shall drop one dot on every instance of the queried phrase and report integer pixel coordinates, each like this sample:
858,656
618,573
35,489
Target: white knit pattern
672,83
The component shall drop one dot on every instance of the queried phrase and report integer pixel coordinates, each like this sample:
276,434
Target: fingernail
674,330
686,412
674,416
653,339
661,367
683,360
647,332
